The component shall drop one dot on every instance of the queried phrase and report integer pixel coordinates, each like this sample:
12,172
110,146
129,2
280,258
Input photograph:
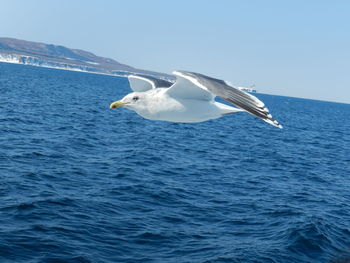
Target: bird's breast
169,109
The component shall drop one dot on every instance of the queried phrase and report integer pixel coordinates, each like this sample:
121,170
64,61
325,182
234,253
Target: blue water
83,183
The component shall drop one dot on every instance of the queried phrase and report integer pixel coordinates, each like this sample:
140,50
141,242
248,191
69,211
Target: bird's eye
135,98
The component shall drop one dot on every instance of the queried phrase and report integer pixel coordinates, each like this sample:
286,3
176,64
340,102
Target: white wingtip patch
273,123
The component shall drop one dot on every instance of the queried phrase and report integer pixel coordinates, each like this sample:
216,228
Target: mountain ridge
56,56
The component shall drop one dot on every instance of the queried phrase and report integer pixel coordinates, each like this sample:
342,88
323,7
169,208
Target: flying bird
190,99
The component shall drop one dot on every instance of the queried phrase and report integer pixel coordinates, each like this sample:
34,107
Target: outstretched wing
217,87
144,83
188,88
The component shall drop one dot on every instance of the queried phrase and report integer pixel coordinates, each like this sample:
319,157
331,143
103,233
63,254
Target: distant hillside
53,56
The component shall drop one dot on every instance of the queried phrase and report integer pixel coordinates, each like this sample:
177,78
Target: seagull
190,99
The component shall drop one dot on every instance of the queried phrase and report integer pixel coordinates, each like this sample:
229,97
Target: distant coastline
24,52
68,68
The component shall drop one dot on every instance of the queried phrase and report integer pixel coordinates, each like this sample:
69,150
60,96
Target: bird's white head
133,101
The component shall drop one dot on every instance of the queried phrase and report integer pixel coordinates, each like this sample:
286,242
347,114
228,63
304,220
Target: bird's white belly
182,111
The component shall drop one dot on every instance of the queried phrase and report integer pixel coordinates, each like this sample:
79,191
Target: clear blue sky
296,48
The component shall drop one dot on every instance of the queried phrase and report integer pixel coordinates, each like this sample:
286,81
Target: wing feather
187,88
237,97
144,83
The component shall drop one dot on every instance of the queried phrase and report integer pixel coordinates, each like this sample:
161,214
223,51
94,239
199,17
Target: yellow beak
117,104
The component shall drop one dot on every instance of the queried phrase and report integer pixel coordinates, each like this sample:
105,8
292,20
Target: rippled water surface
82,183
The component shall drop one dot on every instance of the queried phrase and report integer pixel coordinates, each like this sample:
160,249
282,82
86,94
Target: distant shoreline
17,51
127,73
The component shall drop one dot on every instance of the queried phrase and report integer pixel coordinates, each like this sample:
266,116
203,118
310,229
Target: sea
82,183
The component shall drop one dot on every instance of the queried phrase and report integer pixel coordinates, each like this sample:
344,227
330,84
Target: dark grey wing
143,83
237,97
